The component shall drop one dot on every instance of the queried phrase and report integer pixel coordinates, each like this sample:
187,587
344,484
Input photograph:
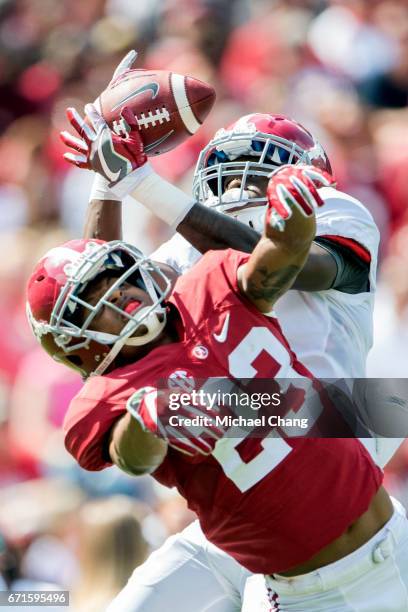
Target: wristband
100,189
131,181
163,199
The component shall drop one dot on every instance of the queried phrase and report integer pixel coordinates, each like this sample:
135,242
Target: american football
169,107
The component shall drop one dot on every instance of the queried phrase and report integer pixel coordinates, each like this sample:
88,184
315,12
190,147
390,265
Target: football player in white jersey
327,316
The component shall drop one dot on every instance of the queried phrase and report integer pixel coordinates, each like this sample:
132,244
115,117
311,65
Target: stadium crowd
338,66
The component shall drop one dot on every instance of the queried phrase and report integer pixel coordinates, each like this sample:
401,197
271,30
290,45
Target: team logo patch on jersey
182,380
200,351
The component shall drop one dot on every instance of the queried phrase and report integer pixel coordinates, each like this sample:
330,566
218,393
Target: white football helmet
273,141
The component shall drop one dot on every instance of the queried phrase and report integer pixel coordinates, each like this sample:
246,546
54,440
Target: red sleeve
231,257
233,260
211,281
351,244
228,261
87,427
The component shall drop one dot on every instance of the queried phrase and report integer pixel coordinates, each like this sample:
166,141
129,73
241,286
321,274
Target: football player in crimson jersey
103,307
100,307
339,278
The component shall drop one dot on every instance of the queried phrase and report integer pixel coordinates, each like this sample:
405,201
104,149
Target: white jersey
330,331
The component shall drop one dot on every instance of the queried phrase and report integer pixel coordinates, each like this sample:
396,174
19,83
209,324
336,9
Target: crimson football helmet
273,141
62,320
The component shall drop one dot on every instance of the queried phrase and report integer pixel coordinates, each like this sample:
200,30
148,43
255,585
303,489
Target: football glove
100,187
150,407
79,144
98,148
292,187
124,65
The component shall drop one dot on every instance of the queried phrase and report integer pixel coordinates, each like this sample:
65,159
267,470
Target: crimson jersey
271,503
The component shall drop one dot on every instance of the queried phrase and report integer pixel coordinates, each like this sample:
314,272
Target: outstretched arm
140,439
104,214
208,229
290,226
103,220
99,149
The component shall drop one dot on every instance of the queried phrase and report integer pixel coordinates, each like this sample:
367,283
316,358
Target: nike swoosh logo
103,144
114,165
152,87
222,336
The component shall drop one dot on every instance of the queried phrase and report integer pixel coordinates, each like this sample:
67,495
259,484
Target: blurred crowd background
338,66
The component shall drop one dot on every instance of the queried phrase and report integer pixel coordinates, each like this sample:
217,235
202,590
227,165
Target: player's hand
79,145
150,407
294,188
97,148
124,65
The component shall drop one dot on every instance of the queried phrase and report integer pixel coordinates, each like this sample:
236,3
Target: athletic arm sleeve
352,270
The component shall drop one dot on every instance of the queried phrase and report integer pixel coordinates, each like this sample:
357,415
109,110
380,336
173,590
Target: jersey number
273,448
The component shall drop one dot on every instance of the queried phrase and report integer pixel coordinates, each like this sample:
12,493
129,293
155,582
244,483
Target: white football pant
189,574
373,578
186,574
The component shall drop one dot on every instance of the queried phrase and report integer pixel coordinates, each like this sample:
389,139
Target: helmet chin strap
153,324
234,198
152,321
154,328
